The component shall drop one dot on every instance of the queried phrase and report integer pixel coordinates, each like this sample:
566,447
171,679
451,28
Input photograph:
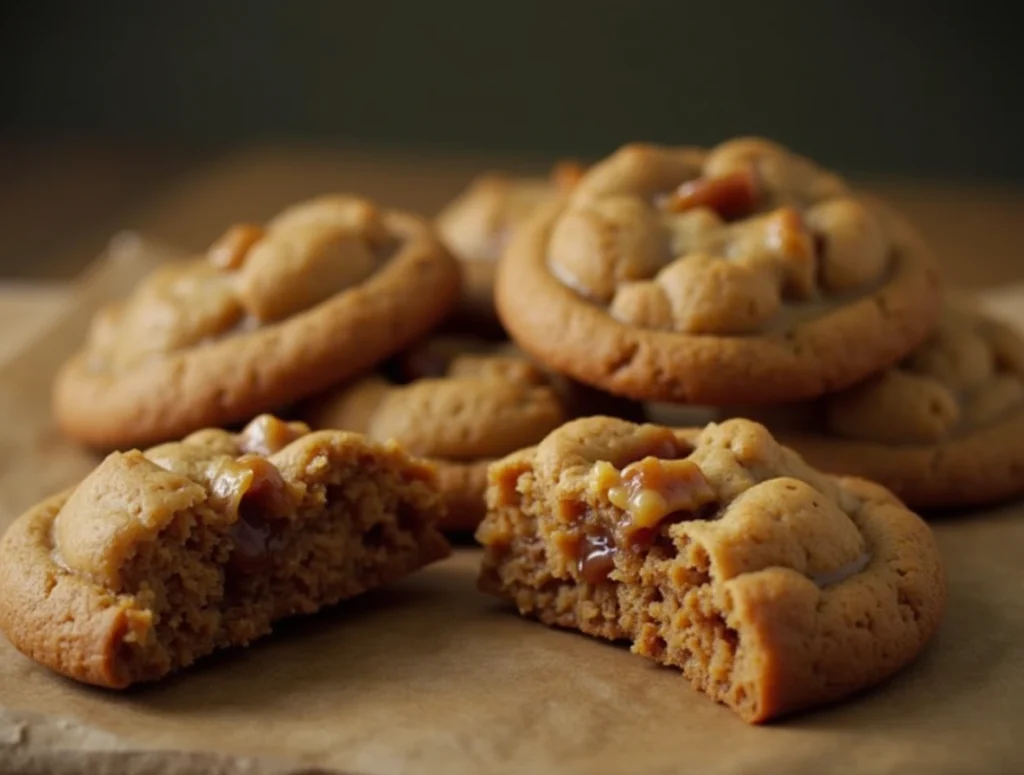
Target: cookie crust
807,359
794,589
984,467
944,429
76,599
238,375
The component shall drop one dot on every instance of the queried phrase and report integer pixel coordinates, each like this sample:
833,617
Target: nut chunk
161,557
773,587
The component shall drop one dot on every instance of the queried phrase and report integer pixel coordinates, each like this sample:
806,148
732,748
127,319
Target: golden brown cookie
773,587
270,315
943,428
480,222
460,402
158,558
743,274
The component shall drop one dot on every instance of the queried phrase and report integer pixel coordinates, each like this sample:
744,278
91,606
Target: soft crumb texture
943,428
461,402
268,316
161,557
744,273
773,587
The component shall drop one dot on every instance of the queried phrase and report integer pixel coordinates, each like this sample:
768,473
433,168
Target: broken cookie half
772,586
158,558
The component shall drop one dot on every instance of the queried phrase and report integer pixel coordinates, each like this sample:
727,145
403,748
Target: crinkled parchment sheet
431,676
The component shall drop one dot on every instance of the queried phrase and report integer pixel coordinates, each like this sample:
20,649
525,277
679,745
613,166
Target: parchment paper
431,676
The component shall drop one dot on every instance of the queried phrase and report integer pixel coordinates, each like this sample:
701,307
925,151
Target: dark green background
900,88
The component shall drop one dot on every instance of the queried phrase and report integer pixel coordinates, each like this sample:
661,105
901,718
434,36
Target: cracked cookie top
771,585
251,276
132,496
269,315
741,274
716,242
159,557
751,503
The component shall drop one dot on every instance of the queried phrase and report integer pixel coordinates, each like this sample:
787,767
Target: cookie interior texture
269,315
772,586
160,557
706,275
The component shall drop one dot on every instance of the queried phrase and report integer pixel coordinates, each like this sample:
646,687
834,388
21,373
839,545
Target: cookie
460,402
772,586
159,558
269,316
478,225
944,428
743,274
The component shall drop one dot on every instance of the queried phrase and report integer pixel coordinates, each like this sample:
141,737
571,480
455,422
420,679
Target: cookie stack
744,285
748,281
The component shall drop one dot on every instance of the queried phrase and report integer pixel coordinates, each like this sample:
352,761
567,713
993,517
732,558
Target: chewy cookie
158,558
743,274
479,224
460,402
772,586
270,315
943,428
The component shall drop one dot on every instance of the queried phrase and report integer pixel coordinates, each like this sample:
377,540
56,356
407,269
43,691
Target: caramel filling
650,494
259,533
731,196
651,489
255,543
596,557
267,434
